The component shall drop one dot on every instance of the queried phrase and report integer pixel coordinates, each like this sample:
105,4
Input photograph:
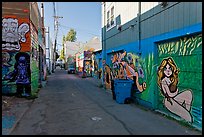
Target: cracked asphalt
68,104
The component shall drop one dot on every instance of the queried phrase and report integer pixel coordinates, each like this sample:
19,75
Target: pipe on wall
139,27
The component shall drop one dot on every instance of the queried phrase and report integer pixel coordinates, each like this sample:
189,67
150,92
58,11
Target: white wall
145,6
126,10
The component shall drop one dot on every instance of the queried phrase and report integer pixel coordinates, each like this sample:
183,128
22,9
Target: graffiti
107,76
87,55
125,65
184,46
13,34
88,67
176,102
5,59
21,73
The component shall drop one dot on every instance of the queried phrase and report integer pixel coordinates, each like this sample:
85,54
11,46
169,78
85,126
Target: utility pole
56,24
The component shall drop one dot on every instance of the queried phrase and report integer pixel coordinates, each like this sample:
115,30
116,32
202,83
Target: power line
79,30
56,24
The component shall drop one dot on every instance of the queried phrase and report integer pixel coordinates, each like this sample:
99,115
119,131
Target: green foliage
71,35
62,54
149,69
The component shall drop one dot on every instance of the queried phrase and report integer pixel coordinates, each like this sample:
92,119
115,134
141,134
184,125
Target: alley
70,105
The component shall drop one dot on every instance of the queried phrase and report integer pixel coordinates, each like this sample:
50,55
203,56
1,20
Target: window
110,18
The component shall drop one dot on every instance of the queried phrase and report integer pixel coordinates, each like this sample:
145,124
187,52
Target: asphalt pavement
71,105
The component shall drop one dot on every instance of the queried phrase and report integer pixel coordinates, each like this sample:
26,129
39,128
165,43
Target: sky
83,17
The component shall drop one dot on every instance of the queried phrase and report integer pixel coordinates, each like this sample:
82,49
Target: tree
71,35
62,57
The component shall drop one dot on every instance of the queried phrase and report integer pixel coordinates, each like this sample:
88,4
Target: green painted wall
186,52
34,76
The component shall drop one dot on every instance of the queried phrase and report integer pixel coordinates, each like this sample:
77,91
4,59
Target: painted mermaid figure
176,102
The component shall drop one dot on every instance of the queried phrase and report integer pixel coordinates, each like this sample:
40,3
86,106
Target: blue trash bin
122,89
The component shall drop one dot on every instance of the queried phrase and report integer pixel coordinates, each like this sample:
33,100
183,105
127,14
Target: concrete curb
19,117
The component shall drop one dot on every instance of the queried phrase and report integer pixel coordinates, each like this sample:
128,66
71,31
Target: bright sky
83,17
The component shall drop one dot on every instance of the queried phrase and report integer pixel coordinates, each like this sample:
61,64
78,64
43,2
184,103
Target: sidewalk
98,82
13,109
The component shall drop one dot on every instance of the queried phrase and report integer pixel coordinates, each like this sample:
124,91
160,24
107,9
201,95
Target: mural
34,62
15,60
181,82
88,67
97,70
13,34
5,59
95,66
21,74
177,102
88,62
108,76
125,66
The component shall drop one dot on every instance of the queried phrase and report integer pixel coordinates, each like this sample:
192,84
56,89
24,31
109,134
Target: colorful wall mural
34,58
125,65
97,68
97,64
16,73
176,67
180,78
14,34
177,102
88,62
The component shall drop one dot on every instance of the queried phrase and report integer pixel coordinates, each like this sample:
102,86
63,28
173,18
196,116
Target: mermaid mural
176,102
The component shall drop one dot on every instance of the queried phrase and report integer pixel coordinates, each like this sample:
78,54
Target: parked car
71,69
59,62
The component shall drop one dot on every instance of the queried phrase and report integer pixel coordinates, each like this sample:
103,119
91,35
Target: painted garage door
180,78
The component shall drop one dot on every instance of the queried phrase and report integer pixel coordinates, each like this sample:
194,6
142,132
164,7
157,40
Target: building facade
97,64
49,51
21,22
159,46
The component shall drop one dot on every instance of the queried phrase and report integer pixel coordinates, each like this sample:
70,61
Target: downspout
48,43
139,27
43,43
104,43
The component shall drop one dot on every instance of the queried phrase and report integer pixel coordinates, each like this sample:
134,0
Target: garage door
184,54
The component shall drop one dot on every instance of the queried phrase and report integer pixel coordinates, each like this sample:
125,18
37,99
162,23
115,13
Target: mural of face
5,59
12,34
22,60
168,70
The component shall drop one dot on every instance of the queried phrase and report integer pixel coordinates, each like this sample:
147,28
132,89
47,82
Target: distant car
58,62
71,69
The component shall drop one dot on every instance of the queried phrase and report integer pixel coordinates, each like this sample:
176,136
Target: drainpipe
48,49
139,27
104,40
